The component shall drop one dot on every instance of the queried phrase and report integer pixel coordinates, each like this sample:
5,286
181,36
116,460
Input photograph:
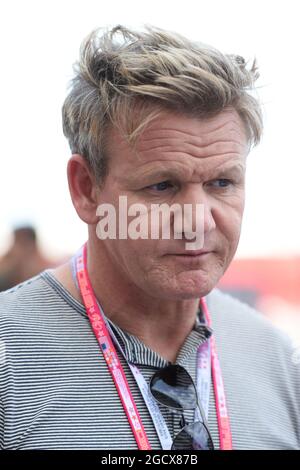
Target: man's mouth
192,253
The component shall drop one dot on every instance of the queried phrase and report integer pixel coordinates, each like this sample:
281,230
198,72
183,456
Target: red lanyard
96,317
219,390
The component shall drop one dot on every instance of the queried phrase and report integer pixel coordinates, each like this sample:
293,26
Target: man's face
182,160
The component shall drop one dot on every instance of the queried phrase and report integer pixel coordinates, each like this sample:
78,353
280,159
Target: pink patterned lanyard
219,390
96,317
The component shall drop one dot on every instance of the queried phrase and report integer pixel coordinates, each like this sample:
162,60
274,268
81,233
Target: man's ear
83,188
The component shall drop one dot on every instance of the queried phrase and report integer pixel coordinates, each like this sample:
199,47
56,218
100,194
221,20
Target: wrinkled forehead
172,135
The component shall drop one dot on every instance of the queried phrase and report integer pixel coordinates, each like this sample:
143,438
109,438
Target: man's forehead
183,126
171,135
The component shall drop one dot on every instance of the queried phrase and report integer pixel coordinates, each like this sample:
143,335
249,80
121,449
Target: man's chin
188,286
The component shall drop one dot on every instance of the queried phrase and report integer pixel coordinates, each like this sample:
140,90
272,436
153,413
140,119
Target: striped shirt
57,393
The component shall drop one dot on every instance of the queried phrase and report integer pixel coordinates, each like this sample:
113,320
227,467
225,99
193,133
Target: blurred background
39,228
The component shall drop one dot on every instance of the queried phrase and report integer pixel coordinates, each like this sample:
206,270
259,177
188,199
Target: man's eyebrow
163,173
177,172
182,173
237,169
159,174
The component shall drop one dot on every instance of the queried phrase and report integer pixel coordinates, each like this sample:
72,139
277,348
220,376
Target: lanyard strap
109,352
157,418
206,357
219,390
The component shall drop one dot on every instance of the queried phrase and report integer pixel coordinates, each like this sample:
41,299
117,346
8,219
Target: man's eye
162,186
221,183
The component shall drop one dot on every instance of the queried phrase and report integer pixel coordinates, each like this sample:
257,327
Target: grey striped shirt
56,391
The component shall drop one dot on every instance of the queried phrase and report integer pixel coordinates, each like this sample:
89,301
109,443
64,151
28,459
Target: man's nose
197,212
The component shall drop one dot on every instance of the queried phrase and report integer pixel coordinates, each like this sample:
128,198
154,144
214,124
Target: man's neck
161,324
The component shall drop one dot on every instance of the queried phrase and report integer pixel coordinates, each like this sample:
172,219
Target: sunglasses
173,387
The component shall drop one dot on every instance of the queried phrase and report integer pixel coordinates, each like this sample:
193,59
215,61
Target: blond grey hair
124,78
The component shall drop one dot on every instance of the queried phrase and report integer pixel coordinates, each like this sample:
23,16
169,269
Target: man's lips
192,253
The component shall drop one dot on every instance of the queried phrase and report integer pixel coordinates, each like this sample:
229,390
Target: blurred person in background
130,345
23,259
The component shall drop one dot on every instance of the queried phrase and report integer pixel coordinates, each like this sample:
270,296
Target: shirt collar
136,352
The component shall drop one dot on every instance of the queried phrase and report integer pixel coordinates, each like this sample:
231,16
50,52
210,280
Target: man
130,345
